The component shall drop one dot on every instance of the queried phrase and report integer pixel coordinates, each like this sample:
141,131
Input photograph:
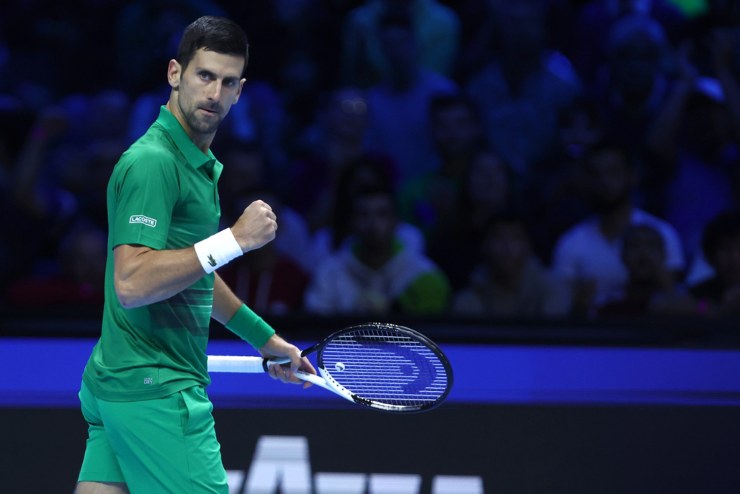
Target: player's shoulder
148,151
143,162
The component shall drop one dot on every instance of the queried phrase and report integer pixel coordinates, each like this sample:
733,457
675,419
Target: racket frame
333,385
326,380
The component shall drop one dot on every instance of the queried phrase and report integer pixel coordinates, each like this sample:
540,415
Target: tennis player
143,388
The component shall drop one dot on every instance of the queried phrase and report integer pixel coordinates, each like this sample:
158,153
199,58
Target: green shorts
166,445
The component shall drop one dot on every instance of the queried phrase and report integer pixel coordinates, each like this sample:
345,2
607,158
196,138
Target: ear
239,92
174,72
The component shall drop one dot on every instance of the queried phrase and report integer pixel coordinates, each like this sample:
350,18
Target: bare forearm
144,276
225,302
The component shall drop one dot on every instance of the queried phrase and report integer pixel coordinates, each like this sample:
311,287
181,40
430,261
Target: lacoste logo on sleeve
211,260
144,220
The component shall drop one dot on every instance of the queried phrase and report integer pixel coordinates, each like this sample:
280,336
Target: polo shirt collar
194,156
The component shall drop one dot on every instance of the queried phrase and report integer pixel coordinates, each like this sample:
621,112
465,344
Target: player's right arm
143,275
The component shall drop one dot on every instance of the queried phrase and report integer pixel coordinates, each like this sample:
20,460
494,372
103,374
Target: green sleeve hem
250,327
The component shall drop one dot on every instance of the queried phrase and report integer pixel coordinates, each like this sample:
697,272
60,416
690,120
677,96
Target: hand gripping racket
378,365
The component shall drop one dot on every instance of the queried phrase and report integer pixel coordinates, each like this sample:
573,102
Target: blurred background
548,188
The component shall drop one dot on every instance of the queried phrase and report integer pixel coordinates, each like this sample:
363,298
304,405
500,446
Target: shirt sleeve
144,191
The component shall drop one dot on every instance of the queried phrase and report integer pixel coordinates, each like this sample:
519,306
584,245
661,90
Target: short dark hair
215,34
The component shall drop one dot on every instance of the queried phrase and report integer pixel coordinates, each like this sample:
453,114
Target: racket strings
386,367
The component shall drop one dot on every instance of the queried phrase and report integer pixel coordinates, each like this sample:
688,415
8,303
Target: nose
214,91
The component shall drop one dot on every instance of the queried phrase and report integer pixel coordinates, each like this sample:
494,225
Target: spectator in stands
43,208
487,190
377,275
595,20
522,88
651,288
399,104
430,201
335,139
700,183
640,96
720,294
703,133
364,172
587,255
511,281
435,26
98,137
554,194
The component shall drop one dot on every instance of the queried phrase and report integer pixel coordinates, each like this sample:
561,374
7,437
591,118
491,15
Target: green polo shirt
162,194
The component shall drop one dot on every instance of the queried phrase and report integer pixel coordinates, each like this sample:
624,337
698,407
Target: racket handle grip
229,363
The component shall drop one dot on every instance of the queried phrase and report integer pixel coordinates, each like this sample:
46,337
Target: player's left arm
225,301
225,306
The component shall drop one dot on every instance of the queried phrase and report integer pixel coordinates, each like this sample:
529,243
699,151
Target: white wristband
217,250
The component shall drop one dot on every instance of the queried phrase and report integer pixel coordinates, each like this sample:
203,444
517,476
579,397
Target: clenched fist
255,227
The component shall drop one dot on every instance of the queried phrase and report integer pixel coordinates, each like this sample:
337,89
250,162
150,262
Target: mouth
209,111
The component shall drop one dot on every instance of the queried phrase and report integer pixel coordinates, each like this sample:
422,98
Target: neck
374,258
343,150
455,166
614,222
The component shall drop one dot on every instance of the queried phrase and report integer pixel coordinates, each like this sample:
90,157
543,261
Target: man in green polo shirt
143,388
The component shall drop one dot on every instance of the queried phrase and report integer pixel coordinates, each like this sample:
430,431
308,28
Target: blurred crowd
482,158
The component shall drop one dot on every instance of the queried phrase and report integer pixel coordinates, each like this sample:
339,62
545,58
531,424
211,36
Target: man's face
488,182
399,46
347,114
206,89
455,130
610,180
374,220
643,254
507,249
635,65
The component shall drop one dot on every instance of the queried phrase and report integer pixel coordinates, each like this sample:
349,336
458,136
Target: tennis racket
377,365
